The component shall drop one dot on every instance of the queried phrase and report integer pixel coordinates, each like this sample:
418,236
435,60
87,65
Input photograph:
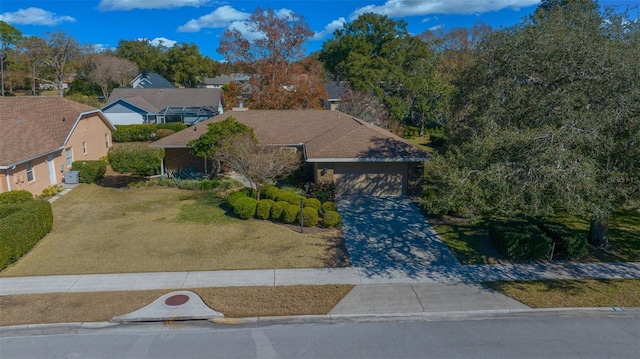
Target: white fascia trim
367,159
170,146
9,166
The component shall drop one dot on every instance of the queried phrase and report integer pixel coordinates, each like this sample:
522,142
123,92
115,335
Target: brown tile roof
34,126
154,100
325,134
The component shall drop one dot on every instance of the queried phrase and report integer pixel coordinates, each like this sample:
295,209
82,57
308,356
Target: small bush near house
136,159
15,196
520,239
164,132
313,203
263,210
331,219
328,207
245,207
51,191
309,217
173,126
278,210
22,225
89,171
290,213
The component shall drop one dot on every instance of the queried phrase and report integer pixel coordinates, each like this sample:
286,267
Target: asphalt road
557,336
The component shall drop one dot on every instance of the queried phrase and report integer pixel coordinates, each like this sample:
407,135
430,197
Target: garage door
375,179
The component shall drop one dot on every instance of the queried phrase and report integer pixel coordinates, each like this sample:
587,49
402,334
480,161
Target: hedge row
136,159
22,225
145,132
89,171
520,239
245,207
568,243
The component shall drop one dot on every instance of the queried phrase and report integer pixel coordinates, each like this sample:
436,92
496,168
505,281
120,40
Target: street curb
297,319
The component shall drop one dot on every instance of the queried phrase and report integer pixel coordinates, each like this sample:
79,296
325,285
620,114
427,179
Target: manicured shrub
309,217
268,192
136,159
331,219
245,207
134,133
263,210
23,226
89,171
290,213
278,210
15,196
520,239
568,243
164,132
51,191
313,203
173,126
233,197
328,207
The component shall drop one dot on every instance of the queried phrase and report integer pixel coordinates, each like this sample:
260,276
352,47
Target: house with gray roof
150,80
216,82
358,157
128,106
40,138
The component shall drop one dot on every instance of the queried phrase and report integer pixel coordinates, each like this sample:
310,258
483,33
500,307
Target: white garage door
374,178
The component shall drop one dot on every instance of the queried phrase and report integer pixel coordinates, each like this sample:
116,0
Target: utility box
72,177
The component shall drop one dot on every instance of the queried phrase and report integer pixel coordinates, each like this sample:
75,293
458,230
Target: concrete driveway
390,235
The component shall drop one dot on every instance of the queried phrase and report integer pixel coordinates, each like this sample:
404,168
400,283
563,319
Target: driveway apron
390,235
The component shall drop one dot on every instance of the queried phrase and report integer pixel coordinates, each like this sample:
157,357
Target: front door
52,170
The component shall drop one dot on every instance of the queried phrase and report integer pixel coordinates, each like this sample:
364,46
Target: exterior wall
371,178
122,114
181,158
90,130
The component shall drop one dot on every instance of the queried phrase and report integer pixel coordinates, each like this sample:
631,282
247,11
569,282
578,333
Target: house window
84,148
29,172
106,140
69,156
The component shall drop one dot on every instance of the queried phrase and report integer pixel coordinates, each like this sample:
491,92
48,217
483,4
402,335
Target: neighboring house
334,94
128,106
216,82
150,80
40,137
359,158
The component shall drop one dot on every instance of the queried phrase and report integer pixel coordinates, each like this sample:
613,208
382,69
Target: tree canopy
547,118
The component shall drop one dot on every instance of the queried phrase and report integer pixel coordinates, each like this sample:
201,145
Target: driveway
390,235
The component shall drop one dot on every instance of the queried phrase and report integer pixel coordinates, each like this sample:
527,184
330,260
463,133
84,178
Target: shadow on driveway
390,235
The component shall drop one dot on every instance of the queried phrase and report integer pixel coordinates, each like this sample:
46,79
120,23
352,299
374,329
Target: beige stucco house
40,137
358,157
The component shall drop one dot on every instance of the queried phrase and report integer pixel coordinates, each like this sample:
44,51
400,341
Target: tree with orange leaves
273,51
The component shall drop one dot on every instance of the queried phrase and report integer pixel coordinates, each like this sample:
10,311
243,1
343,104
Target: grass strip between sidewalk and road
572,293
233,302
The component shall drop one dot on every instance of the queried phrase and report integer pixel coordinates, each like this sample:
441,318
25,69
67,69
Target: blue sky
105,22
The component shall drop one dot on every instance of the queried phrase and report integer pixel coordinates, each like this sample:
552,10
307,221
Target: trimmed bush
331,219
290,213
233,197
568,244
520,239
89,171
310,217
263,210
278,210
268,192
15,196
23,226
164,132
328,207
136,159
173,126
313,203
134,133
245,207
51,191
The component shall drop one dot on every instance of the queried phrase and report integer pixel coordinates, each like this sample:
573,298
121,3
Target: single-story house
40,137
216,82
128,106
358,157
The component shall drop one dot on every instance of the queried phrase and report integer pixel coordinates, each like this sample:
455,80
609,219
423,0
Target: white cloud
247,30
220,17
111,5
159,41
403,8
436,28
34,16
330,28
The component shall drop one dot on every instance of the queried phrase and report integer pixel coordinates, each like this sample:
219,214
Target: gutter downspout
8,175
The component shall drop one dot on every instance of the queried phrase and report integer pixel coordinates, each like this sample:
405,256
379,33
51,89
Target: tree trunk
598,232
